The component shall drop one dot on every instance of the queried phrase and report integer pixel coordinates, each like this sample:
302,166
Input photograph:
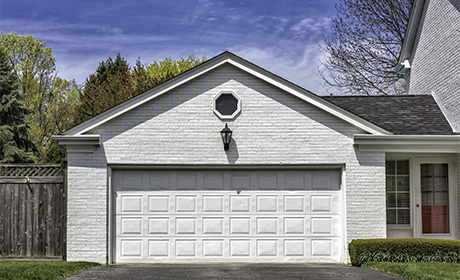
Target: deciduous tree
50,99
363,49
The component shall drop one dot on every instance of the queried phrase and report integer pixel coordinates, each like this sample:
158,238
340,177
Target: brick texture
435,61
180,128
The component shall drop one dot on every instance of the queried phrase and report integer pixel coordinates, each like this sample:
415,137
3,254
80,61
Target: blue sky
280,36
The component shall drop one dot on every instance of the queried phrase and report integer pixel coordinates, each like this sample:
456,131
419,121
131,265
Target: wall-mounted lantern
226,134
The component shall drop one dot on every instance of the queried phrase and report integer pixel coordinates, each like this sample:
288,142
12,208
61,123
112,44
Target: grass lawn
20,270
419,271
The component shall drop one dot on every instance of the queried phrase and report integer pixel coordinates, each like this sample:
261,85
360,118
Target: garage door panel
185,204
294,181
240,181
159,181
294,203
213,203
213,181
158,203
193,225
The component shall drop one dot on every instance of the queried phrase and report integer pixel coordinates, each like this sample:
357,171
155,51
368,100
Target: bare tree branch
363,48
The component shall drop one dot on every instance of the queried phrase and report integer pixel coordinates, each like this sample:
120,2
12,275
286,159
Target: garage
245,215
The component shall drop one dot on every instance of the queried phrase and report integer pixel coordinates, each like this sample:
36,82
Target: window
435,198
227,105
398,192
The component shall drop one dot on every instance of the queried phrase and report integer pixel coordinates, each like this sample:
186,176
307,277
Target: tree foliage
363,49
107,87
50,99
15,146
115,82
164,70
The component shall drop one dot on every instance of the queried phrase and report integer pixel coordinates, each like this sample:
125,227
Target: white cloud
311,26
270,23
79,35
301,70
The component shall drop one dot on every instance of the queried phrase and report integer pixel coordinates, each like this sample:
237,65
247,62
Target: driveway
230,271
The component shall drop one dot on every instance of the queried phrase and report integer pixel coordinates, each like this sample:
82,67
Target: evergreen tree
115,82
15,146
109,86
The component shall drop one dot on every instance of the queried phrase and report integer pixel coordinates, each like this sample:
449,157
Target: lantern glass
226,134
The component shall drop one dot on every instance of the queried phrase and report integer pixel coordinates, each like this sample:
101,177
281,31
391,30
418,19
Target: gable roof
399,114
244,65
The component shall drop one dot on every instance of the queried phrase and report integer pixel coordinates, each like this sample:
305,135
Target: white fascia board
408,143
314,100
243,65
409,37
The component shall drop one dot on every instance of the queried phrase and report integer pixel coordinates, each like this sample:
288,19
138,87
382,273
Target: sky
280,36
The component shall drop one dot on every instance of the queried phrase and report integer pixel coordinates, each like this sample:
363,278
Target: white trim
109,214
452,173
238,105
78,143
408,143
236,61
343,209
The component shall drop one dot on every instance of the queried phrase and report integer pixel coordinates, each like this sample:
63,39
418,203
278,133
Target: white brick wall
180,127
87,207
435,61
457,168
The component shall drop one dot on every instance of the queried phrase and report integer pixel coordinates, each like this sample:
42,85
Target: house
152,179
430,54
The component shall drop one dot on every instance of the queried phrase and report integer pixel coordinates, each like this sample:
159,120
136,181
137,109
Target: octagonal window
227,105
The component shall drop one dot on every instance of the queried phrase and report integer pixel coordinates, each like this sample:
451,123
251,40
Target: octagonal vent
227,105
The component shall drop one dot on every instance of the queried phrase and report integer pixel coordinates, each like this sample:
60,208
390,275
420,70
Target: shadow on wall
232,153
375,159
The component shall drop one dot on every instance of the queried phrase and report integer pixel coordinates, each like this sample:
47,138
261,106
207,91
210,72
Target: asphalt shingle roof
399,114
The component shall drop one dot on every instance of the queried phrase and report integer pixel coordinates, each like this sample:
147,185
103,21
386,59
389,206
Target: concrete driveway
230,271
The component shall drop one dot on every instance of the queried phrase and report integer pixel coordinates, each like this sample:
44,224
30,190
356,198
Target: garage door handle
417,205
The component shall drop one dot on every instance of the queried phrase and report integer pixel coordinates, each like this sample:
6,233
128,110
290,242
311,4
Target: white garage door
231,216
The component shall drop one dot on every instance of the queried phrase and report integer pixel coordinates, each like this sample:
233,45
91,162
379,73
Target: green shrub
404,250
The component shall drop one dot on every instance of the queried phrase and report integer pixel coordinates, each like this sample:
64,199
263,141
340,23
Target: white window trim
411,193
238,108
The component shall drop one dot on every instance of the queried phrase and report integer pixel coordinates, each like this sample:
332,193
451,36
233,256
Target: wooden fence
32,211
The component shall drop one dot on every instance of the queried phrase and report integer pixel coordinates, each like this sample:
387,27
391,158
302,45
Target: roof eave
408,143
242,64
78,143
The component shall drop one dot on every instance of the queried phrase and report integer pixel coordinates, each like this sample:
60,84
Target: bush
404,250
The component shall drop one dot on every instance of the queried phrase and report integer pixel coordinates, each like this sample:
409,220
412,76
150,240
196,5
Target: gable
210,65
181,126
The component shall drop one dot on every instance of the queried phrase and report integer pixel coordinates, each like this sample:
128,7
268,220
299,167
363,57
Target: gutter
409,38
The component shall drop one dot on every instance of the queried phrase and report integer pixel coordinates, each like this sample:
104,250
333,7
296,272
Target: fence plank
32,211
